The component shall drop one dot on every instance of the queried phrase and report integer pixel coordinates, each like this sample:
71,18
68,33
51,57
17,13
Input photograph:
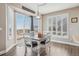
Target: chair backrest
47,37
27,40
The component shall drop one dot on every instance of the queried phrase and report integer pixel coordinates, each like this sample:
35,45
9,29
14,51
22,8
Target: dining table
38,40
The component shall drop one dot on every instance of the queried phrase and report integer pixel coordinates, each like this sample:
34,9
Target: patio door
23,25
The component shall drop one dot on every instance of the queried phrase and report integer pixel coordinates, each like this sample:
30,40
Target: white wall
73,27
3,26
74,30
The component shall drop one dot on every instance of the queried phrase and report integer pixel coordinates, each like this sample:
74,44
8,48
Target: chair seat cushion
43,42
34,44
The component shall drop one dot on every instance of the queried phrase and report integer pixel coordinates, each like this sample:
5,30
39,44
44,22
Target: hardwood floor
19,50
56,49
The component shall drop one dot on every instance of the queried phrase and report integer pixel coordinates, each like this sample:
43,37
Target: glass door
23,26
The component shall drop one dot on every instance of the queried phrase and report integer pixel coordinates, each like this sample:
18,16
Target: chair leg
49,48
31,51
25,51
46,49
38,48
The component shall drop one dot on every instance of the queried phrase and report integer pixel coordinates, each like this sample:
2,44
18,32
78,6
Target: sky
23,19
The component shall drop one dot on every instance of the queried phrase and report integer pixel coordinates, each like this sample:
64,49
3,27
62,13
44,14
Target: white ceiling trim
50,7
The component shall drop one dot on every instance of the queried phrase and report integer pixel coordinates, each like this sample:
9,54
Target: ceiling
45,8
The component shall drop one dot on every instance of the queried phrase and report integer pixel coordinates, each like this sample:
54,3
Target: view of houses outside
23,24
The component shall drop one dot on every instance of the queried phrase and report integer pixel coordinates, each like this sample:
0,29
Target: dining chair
29,42
46,42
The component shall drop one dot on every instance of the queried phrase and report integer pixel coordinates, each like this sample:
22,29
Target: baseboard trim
8,49
2,52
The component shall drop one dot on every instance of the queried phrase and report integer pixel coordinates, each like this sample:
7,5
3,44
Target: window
23,24
36,24
58,24
54,23
10,22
